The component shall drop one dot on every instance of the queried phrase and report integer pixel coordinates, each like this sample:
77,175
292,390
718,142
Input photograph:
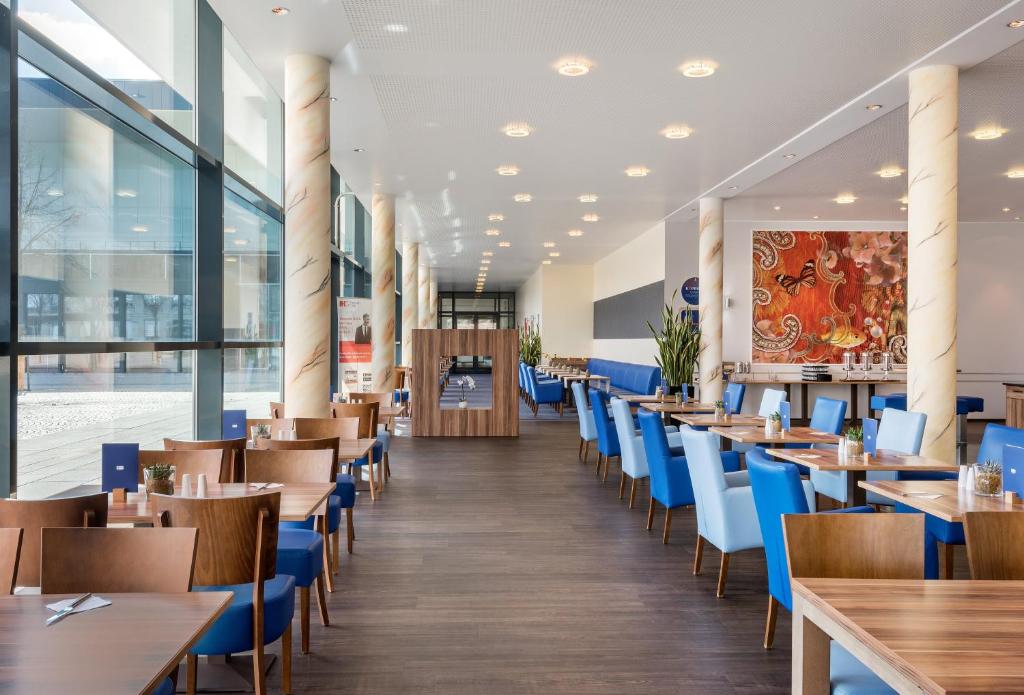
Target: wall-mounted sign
354,344
690,291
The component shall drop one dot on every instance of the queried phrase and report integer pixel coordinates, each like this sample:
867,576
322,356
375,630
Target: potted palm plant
529,343
678,342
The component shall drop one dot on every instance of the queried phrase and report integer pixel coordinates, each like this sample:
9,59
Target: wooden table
950,507
671,407
129,646
854,384
639,398
856,467
299,501
756,435
698,420
918,636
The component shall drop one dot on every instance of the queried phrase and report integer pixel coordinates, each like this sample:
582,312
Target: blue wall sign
691,291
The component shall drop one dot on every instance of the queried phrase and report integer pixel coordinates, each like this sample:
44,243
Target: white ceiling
428,105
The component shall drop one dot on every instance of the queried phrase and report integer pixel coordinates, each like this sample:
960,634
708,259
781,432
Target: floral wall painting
819,294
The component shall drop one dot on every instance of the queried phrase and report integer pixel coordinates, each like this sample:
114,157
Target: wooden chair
855,546
368,420
276,410
994,542
344,428
237,545
232,450
33,515
277,425
298,466
194,462
382,400
10,552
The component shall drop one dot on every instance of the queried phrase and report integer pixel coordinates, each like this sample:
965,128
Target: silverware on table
67,610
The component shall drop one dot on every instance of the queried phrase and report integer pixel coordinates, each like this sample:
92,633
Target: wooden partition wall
501,419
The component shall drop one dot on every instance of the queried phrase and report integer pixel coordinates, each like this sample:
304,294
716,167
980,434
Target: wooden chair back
117,560
34,515
994,543
276,425
231,456
327,427
366,412
332,443
237,535
276,410
382,399
855,546
10,552
290,466
208,461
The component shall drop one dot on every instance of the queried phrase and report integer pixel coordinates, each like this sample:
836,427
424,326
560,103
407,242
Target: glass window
253,123
252,272
252,379
107,224
145,49
68,405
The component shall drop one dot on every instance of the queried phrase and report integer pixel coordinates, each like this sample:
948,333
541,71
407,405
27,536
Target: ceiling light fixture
845,198
517,130
1016,24
495,217
791,155
549,244
904,200
54,192
358,149
490,253
733,188
279,11
126,193
396,28
873,107
522,197
508,170
677,132
546,261
591,217
1015,174
554,254
889,172
699,68
241,242
588,198
903,208
485,261
776,208
230,230
987,133
140,228
1006,209
492,232
575,232
573,67
814,217
504,244
635,172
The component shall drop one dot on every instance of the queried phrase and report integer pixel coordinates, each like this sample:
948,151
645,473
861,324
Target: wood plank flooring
505,567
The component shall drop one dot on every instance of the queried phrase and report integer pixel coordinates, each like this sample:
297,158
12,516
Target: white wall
529,300
558,298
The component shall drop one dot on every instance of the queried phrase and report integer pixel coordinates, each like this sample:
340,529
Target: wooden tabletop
950,506
756,435
828,460
391,411
299,501
673,407
352,449
697,420
918,636
127,647
635,398
583,377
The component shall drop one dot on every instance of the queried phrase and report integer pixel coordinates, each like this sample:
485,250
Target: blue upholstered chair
543,392
607,437
631,446
771,401
735,393
588,430
726,517
828,415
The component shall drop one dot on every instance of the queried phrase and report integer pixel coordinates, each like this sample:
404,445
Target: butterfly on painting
793,284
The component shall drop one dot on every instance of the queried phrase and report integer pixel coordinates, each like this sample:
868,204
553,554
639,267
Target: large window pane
145,48
252,379
107,224
68,405
252,272
253,123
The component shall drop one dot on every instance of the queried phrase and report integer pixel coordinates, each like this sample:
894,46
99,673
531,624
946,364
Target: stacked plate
815,372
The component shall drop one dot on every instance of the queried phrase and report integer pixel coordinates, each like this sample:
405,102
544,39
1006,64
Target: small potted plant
260,431
464,383
159,479
773,425
854,441
719,410
988,479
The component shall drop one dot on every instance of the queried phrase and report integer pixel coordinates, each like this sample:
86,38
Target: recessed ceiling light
1017,218
733,188
591,217
140,228
573,67
358,149
492,232
549,244
889,172
490,253
1015,174
699,68
126,193
677,132
987,133
588,198
522,197
241,242
637,171
1016,24
776,208
518,129
791,155
1006,209
873,107
396,28
546,262
508,170
230,259
814,217
554,254
903,208
485,261
904,200
230,230
279,11
575,232
333,100
495,217
504,244
845,198
54,192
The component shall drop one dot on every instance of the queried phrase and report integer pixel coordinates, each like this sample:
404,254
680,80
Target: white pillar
307,291
433,300
382,311
932,256
410,297
423,296
710,236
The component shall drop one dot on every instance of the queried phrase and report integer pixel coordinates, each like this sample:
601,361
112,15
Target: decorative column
410,297
423,296
433,300
307,277
382,312
932,256
710,236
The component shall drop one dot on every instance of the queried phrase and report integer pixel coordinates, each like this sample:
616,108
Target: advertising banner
354,344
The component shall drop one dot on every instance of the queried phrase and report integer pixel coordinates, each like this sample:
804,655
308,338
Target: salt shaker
842,449
970,478
186,485
201,488
961,476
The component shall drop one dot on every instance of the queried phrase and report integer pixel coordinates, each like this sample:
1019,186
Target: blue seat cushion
898,401
300,553
848,676
165,688
345,490
384,437
232,633
378,450
401,395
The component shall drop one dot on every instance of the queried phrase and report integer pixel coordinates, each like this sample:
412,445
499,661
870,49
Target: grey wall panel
626,315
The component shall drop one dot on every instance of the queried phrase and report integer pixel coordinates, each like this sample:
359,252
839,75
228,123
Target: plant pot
463,405
775,427
160,487
719,413
854,448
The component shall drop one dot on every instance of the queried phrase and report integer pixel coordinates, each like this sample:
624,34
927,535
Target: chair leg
321,600
328,550
599,455
586,451
351,529
286,660
668,525
650,514
335,549
387,466
698,554
321,522
579,454
373,481
622,485
769,628
723,572
259,666
946,570
304,619
632,493
607,465
191,667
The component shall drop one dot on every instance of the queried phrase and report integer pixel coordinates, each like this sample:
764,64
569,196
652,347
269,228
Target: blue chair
607,437
828,415
735,393
588,430
771,401
543,392
670,478
631,446
778,489
237,552
726,517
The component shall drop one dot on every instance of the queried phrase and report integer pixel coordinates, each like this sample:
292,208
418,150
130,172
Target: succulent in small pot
159,478
774,423
719,410
988,478
855,441
261,431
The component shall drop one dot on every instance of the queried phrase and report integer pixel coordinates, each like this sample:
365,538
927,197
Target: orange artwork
819,294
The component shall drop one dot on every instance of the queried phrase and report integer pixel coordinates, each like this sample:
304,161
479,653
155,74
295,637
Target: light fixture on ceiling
504,244
279,11
126,193
635,172
492,232
522,197
140,228
873,107
776,208
54,192
1017,218
588,198
358,149
734,188
333,100
903,208
396,28
904,200
845,198
495,217
241,242
518,129
591,217
699,68
1006,209
546,261
814,217
575,232
508,170
554,254
230,230
990,132
485,261
573,67
1016,24
889,172
677,131
230,259
549,244
1015,174
791,155
489,253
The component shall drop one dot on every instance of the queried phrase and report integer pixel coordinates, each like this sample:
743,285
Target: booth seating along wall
625,376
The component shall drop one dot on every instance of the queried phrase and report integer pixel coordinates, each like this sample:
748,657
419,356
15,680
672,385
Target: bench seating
626,378
898,401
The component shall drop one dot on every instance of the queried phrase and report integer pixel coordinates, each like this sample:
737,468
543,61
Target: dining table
673,408
944,499
757,436
919,636
710,420
130,646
